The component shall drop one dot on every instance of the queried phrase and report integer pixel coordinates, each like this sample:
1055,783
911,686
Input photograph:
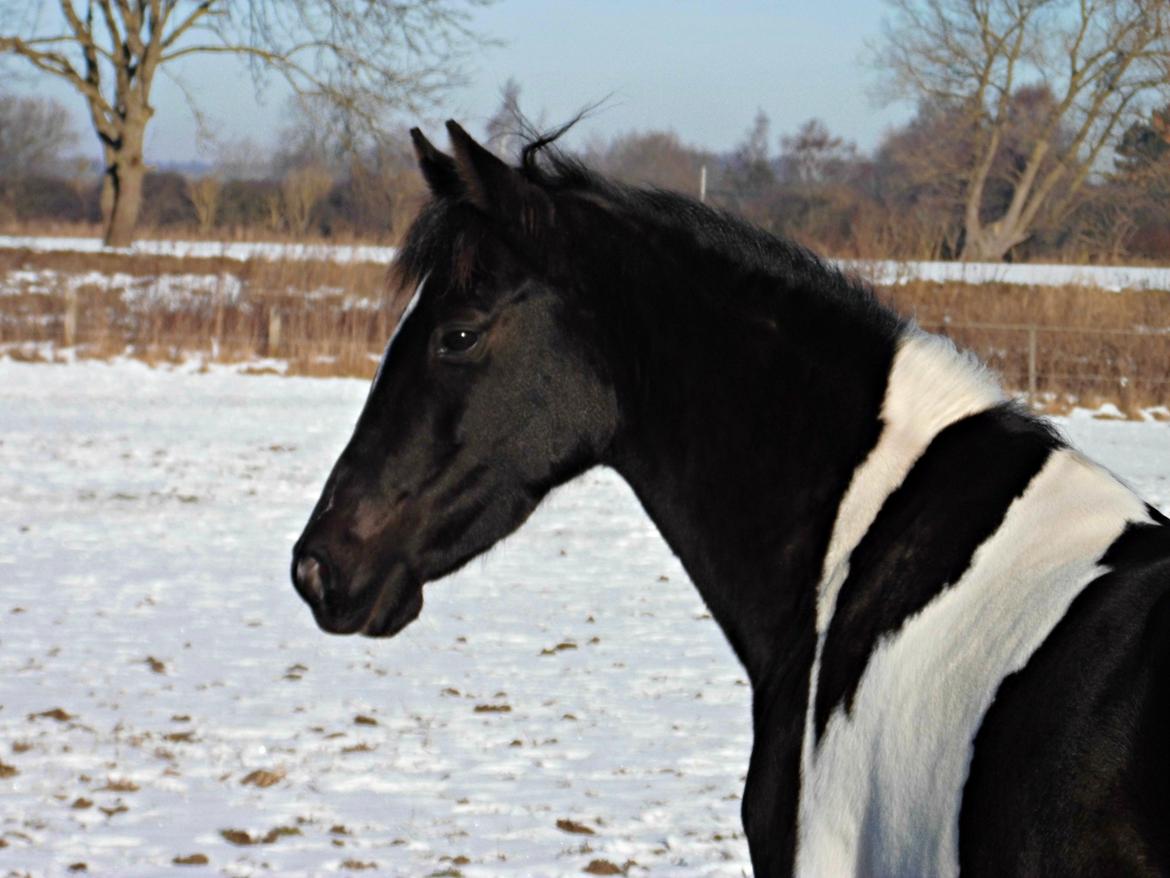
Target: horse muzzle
378,609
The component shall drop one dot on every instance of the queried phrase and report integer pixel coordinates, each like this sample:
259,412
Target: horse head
490,393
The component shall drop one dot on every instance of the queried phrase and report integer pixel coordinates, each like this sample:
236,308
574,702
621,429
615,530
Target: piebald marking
881,792
931,385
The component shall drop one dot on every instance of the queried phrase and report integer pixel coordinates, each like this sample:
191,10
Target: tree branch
175,35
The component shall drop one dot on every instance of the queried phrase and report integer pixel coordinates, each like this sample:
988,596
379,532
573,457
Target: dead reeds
1061,345
323,318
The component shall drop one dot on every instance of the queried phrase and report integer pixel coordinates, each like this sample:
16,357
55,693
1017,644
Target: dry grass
1090,346
327,318
235,234
323,318
45,227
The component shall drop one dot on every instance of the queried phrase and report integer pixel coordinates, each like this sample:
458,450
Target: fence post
217,329
274,327
1032,364
70,317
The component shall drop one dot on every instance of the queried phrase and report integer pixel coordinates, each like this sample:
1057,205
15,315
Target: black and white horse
957,628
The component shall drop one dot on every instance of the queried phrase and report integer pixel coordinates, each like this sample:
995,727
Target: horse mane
446,231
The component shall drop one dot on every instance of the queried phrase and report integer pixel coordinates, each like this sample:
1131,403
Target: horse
956,626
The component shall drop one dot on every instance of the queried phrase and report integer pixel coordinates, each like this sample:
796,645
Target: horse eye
458,341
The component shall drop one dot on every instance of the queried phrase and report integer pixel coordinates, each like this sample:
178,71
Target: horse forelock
443,240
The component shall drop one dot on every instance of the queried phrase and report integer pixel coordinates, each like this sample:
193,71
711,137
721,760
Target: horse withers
957,628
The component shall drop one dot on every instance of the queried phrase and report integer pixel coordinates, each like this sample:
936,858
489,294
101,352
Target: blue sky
699,68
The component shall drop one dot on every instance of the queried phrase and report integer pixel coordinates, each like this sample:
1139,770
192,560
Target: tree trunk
106,200
123,181
981,247
990,243
127,188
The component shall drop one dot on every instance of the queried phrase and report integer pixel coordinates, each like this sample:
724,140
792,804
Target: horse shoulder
1070,771
885,783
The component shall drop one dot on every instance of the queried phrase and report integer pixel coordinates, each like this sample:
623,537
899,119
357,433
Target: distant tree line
1037,130
311,185
1038,134
360,61
906,198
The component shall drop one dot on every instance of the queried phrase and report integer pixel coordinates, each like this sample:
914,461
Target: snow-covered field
153,656
170,290
1115,278
878,271
239,251
164,694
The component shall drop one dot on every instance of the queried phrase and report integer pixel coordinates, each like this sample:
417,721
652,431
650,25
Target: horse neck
746,445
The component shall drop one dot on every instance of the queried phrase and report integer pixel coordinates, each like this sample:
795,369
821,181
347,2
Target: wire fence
1041,362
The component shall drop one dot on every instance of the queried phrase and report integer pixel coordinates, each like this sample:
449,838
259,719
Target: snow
240,251
172,290
146,517
883,272
887,272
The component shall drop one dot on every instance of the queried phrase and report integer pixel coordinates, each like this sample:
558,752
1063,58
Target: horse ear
496,189
438,168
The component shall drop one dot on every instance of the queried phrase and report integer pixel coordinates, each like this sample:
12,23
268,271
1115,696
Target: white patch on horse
367,521
882,791
406,312
931,385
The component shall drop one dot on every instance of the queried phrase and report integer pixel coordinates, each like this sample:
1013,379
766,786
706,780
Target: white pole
1032,365
70,317
703,184
274,327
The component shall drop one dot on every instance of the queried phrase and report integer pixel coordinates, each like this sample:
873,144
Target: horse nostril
311,577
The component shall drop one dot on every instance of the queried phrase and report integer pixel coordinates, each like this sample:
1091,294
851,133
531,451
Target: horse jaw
386,619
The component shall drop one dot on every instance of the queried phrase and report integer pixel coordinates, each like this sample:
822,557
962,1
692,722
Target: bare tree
385,188
303,140
34,132
651,158
1100,61
365,58
301,191
813,155
203,193
922,169
1140,185
1143,152
273,211
504,130
747,184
